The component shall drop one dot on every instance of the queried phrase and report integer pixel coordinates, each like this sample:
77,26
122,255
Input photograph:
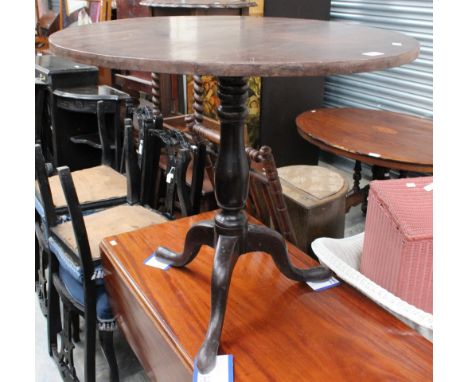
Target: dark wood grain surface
235,46
277,329
377,137
198,3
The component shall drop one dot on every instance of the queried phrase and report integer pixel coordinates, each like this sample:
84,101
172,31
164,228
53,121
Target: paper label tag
323,285
170,175
154,262
429,187
372,54
222,372
411,185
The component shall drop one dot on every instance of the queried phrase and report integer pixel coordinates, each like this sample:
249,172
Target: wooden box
316,201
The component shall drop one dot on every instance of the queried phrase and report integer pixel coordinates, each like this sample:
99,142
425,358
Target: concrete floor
129,368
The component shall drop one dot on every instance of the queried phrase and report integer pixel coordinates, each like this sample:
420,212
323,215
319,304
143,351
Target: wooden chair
75,271
179,182
265,200
97,187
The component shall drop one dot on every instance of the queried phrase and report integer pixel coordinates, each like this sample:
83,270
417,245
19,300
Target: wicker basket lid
409,203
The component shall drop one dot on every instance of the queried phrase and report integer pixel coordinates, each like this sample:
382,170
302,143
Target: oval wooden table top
277,329
382,138
235,46
198,4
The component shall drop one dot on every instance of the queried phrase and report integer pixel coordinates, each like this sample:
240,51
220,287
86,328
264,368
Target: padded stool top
311,185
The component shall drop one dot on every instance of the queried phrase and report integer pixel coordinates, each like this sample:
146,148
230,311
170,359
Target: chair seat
104,313
100,183
112,221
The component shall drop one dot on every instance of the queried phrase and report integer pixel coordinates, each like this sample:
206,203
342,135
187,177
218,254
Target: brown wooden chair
265,200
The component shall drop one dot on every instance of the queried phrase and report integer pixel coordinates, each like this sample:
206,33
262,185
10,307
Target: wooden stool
316,201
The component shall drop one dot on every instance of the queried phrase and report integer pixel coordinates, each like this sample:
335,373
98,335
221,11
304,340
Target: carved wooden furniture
53,72
262,47
97,187
316,201
75,119
178,157
383,139
265,200
282,332
75,270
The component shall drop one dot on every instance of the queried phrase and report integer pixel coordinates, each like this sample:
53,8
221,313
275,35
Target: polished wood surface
277,329
382,138
198,3
235,46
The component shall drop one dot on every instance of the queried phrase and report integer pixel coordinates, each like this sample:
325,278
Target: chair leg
54,324
75,321
65,360
90,348
106,339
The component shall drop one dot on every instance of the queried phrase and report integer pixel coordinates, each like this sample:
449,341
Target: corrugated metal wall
55,5
406,89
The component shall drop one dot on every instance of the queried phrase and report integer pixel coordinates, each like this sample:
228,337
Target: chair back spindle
45,193
267,194
79,228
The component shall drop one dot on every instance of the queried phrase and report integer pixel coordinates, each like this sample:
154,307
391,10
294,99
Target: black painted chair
97,187
179,181
75,271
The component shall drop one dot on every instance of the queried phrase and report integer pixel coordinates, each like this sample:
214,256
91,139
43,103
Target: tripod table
233,48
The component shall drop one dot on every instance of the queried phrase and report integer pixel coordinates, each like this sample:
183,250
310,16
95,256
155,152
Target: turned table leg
230,234
155,93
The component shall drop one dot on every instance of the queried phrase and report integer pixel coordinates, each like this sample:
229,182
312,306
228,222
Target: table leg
155,93
230,233
195,120
403,174
378,173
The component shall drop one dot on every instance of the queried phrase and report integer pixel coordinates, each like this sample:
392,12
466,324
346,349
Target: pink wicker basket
397,251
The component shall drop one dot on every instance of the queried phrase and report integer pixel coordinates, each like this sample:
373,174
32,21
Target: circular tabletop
199,4
383,138
235,46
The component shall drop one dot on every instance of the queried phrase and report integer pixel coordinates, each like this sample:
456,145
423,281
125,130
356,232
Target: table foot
260,238
227,253
199,234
